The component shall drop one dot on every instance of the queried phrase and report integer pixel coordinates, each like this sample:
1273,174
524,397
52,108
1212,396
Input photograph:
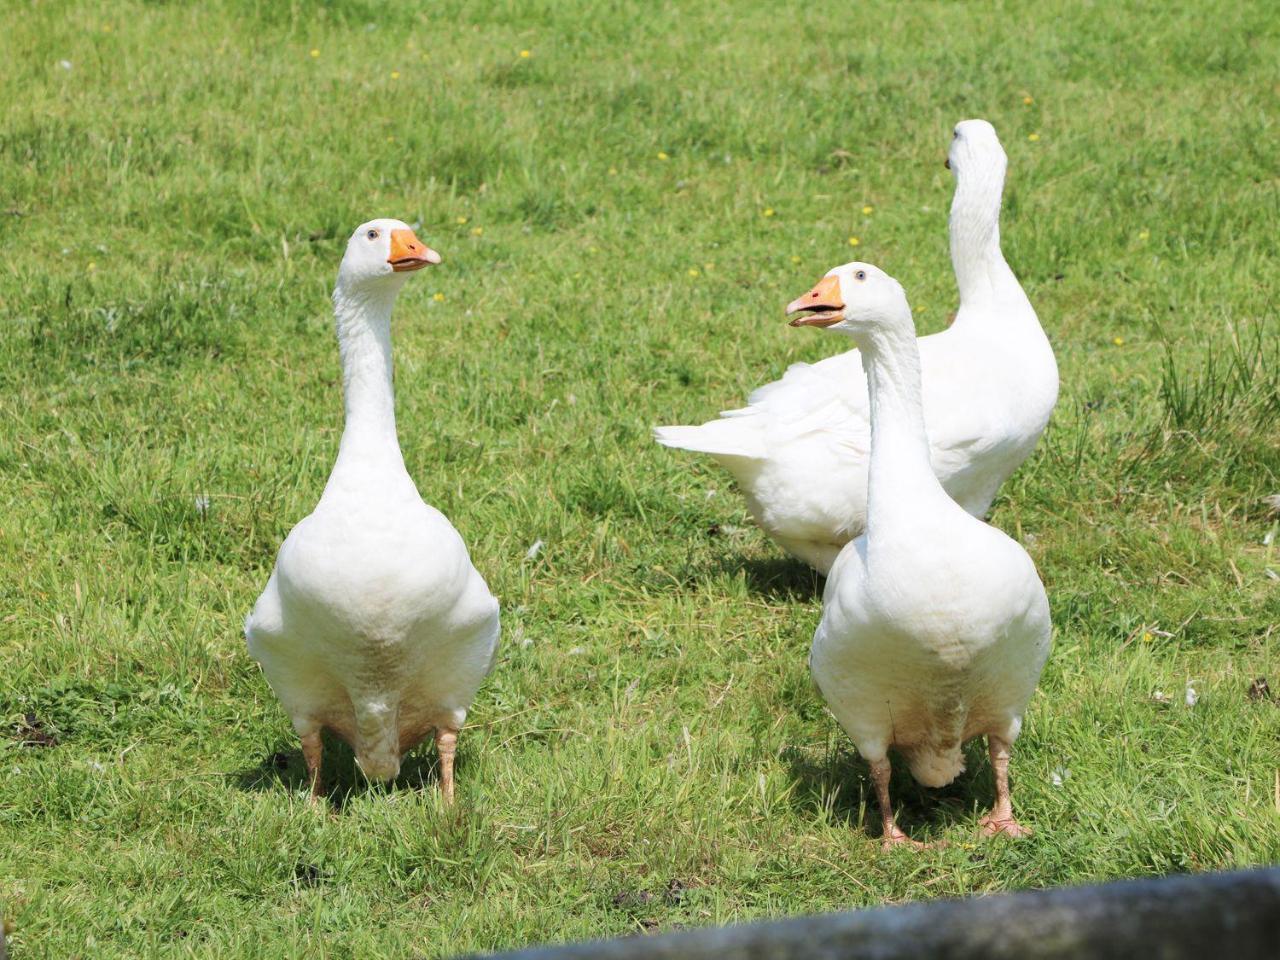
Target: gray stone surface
1199,916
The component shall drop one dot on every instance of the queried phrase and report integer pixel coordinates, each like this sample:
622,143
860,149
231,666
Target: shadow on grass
284,768
840,786
773,578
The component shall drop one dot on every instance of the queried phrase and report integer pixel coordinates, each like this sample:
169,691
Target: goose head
381,254
975,148
856,299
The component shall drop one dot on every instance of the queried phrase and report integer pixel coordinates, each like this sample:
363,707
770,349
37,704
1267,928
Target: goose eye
372,234
860,275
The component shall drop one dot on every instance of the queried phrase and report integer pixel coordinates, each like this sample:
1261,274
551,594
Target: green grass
172,210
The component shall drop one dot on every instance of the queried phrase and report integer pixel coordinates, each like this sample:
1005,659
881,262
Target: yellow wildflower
795,258
438,297
1118,341
854,241
477,231
613,171
868,210
1033,137
525,54
1027,101
693,272
767,212
1144,234
395,74
662,155
314,53
461,221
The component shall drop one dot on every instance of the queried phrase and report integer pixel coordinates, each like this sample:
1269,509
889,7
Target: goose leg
892,836
1001,819
312,753
447,745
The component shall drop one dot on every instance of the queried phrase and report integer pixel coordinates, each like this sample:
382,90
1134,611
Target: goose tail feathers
725,438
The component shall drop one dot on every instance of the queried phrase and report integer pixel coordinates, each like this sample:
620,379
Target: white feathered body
374,623
799,449
924,647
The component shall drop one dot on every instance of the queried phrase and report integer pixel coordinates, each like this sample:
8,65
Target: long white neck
364,341
901,478
982,274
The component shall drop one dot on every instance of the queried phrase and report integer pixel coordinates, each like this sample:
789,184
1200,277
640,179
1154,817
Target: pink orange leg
880,770
447,745
1000,820
312,753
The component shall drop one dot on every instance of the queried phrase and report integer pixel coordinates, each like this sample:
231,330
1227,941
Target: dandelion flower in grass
1028,101
662,155
477,231
854,241
461,220
438,297
693,272
525,54
92,265
613,171
868,210
1144,234
767,212
1033,137
395,74
1118,341
314,53
795,258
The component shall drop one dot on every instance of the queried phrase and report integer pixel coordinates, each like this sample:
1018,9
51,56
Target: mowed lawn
625,195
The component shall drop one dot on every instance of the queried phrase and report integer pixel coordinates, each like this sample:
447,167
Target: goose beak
821,307
409,253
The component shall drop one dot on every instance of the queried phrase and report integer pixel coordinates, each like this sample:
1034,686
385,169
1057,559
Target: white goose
374,623
799,448
935,626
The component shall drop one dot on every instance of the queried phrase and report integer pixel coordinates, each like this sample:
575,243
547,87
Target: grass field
622,212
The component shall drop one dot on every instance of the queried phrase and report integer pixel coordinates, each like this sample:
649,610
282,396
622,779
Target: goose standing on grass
935,626
374,623
799,448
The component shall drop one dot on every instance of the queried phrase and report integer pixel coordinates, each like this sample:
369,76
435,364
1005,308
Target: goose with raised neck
799,449
374,623
935,626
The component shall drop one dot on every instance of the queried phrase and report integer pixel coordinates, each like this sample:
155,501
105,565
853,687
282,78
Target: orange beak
409,253
822,306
